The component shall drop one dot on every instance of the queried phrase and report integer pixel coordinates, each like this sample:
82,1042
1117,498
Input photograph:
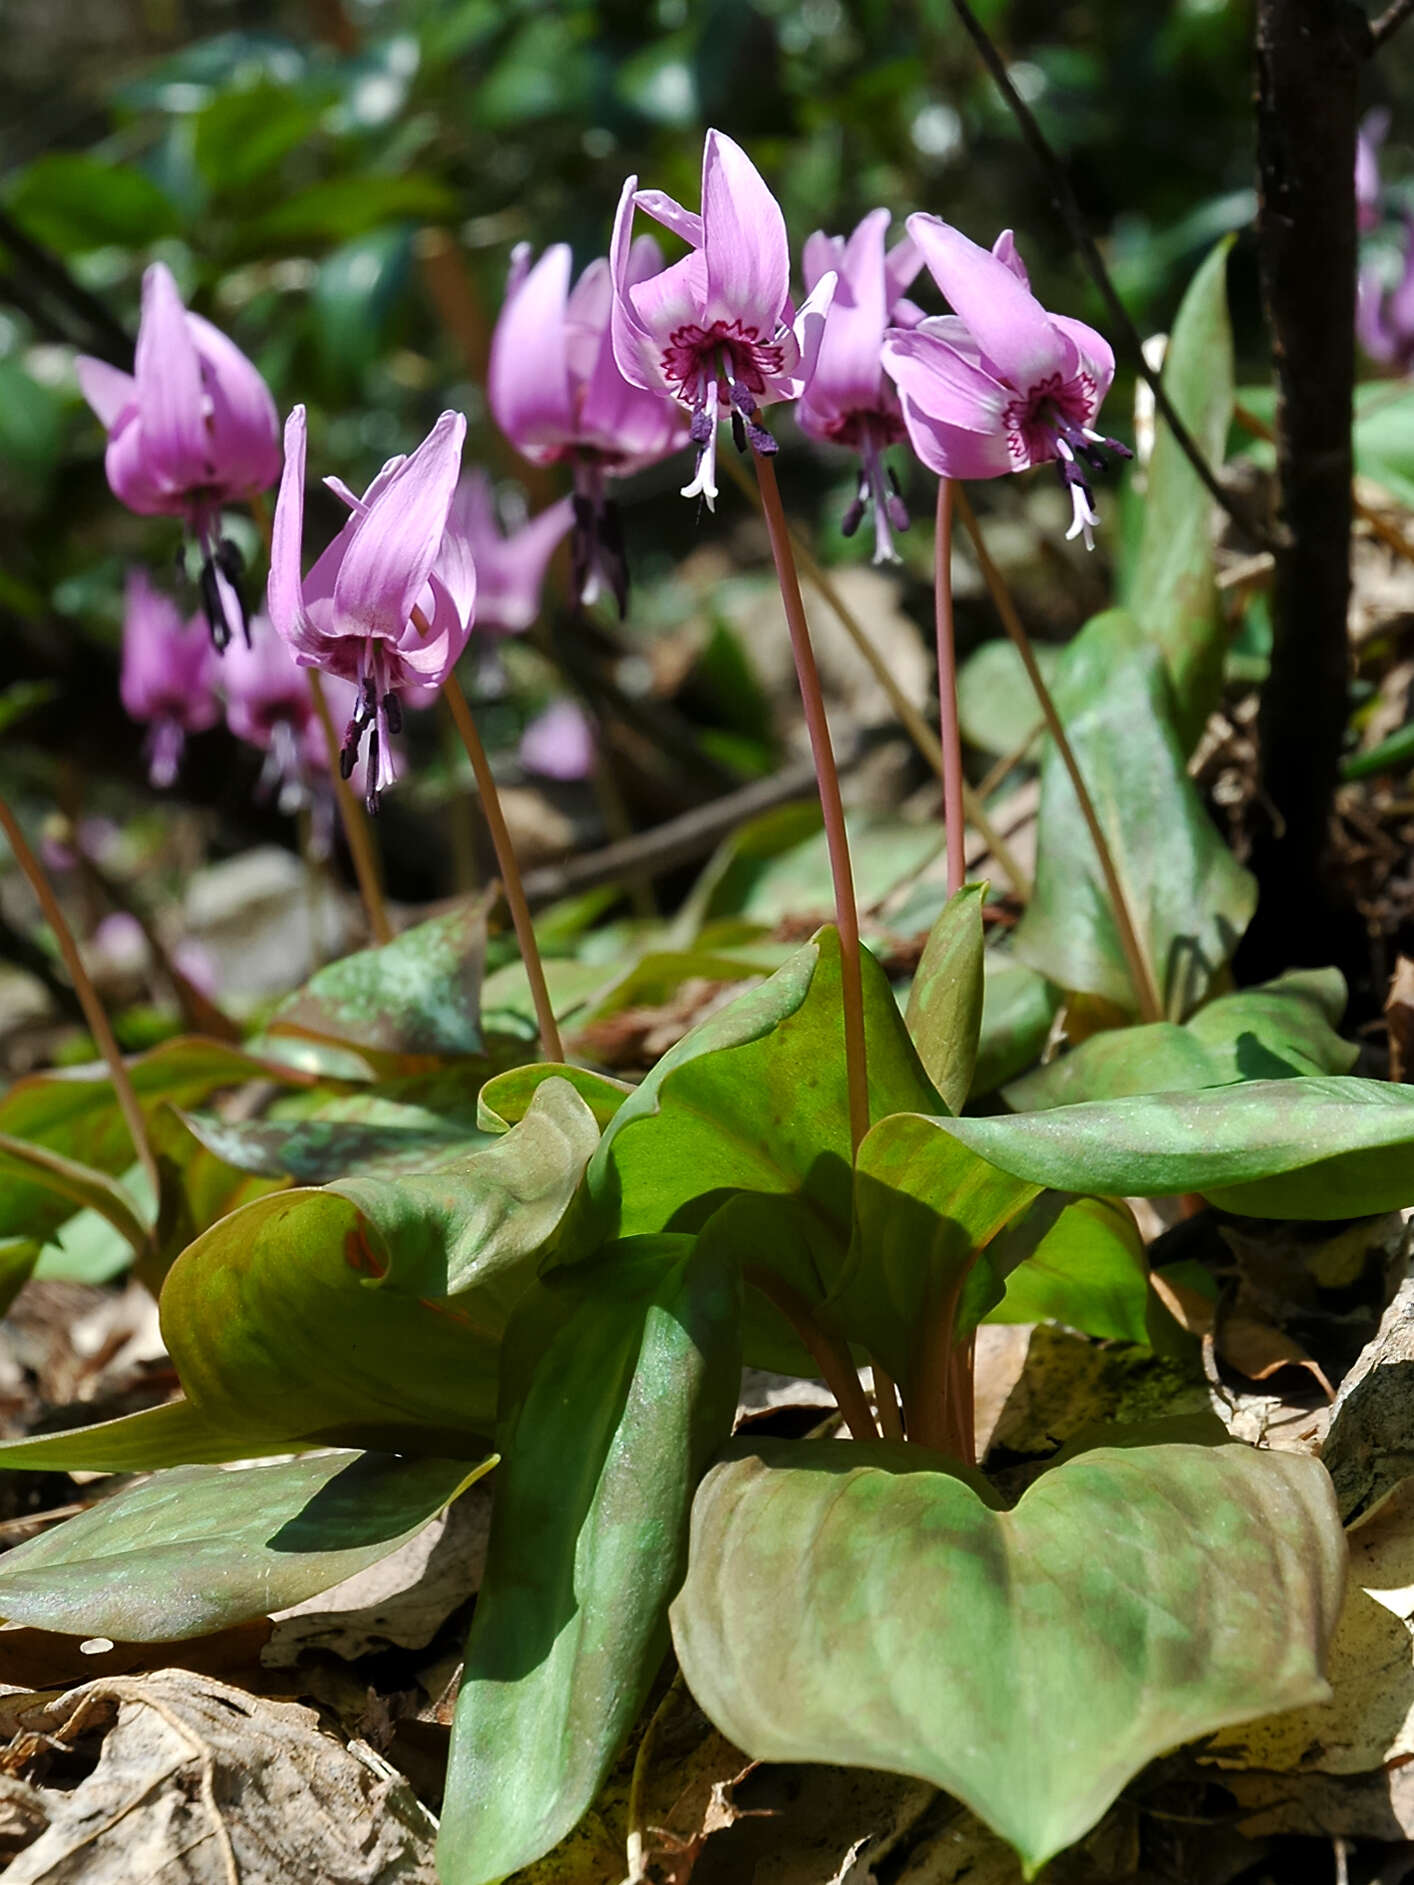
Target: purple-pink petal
527,381
1010,325
395,545
169,389
242,423
743,240
937,379
284,589
109,392
951,451
847,372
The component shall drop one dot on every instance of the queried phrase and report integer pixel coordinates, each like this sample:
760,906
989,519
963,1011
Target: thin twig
1073,218
951,740
1388,23
1141,974
831,804
910,718
506,862
829,1351
93,1010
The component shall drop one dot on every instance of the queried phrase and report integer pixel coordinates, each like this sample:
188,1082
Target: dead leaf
1399,1018
200,1784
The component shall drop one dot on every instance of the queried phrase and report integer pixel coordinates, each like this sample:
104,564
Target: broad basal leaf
867,1605
623,1384
1189,898
1315,1148
1172,594
1284,1028
1018,1008
944,1013
505,1099
197,1549
1079,1261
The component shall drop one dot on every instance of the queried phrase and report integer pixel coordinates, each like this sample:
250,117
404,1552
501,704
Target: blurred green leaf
243,135
73,202
342,208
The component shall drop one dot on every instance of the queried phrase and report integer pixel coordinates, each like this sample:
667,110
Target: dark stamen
854,515
894,505
700,430
393,712
371,796
739,431
231,564
213,608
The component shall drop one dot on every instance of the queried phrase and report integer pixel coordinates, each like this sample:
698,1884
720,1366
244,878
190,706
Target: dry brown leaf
197,1783
1399,1018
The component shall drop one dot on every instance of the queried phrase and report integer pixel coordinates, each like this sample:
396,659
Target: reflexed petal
108,392
284,591
243,426
631,427
634,349
670,213
743,240
847,371
396,541
427,660
645,258
131,476
1005,250
1009,323
672,299
527,379
800,343
952,452
1096,355
169,390
940,382
518,270
822,254
901,266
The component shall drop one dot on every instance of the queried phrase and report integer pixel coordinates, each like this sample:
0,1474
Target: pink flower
1000,384
848,399
168,675
510,566
191,429
717,331
559,743
269,705
1384,317
1374,128
388,604
558,395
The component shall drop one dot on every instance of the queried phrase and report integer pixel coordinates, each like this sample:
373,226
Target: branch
1073,218
1389,22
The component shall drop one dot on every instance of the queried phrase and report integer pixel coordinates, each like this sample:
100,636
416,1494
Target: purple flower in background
559,743
557,393
168,675
1000,384
1374,127
1384,317
270,706
849,399
191,429
716,331
388,605
510,566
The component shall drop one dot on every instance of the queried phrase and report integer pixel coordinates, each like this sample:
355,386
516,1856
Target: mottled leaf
944,1013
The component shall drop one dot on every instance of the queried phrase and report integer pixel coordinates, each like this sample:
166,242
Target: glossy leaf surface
944,1012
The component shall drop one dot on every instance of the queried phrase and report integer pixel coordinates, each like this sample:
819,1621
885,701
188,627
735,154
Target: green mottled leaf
200,1548
944,1013
172,1434
1277,1031
76,1186
1133,1599
504,1100
1188,896
1173,592
623,1384
1018,1007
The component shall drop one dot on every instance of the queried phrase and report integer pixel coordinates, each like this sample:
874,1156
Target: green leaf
505,1100
1188,896
1079,1261
344,207
1277,1031
73,202
754,1099
372,1312
865,1605
1018,1007
996,703
173,1434
419,994
245,132
944,1013
200,1548
78,1185
624,1386
18,1256
1173,595
924,1211
1307,1147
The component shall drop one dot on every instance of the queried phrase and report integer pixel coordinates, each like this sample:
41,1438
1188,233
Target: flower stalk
831,803
949,731
1141,974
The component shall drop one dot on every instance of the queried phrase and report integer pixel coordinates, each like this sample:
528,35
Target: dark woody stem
1141,975
947,688
506,863
93,1010
831,804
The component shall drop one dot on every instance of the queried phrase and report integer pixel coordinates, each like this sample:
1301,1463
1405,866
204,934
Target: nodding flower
389,603
1000,384
510,565
1384,316
556,392
270,705
190,430
168,678
717,331
559,742
849,400
1374,128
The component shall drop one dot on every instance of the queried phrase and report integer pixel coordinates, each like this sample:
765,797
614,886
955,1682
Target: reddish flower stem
88,996
829,1351
1141,974
506,863
831,804
951,734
